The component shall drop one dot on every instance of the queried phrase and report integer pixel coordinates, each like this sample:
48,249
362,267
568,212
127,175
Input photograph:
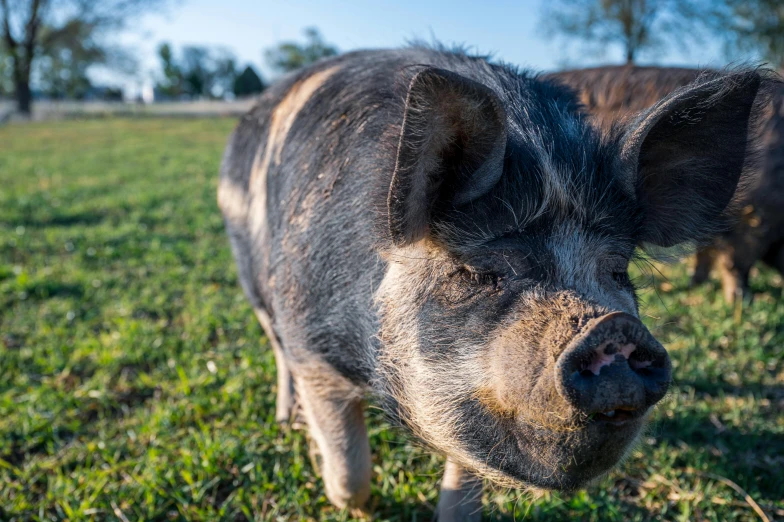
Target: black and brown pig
611,94
451,238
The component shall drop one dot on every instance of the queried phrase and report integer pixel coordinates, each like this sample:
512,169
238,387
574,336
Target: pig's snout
614,367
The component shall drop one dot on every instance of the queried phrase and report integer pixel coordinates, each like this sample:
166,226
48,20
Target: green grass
135,381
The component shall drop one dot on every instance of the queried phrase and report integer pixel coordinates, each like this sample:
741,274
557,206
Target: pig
450,238
612,93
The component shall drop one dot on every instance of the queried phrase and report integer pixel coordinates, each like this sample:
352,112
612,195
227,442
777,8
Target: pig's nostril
639,365
652,363
642,368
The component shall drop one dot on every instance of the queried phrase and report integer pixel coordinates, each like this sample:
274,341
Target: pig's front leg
461,495
336,423
284,404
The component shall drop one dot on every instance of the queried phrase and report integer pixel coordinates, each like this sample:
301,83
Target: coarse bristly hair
377,185
554,162
559,174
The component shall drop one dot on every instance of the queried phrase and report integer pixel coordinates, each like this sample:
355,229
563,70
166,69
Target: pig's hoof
459,506
346,489
290,414
347,492
458,514
285,407
283,416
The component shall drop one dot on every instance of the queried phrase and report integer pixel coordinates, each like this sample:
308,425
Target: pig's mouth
583,450
561,456
583,413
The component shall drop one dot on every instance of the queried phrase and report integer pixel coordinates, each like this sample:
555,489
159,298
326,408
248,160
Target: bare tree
30,28
634,25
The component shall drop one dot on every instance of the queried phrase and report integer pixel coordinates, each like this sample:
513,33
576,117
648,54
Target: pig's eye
478,278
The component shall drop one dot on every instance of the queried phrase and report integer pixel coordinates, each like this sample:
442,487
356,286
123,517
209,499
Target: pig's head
510,334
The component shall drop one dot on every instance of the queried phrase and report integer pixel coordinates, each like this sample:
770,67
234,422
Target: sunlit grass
135,382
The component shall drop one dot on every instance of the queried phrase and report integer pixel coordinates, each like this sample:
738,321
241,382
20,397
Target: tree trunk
22,52
629,55
22,91
24,97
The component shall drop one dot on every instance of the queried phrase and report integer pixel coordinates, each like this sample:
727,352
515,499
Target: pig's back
611,93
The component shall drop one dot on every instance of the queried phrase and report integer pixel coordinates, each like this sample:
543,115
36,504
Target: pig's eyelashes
465,284
478,278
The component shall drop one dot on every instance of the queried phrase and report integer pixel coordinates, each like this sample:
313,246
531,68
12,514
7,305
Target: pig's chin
575,458
553,458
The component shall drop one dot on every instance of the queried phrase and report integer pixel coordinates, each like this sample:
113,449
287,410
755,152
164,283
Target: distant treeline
202,72
48,48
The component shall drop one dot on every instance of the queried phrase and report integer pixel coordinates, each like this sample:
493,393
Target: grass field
135,383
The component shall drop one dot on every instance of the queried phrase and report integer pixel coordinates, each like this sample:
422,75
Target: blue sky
510,30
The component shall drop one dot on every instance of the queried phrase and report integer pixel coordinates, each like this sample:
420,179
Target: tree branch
31,28
9,38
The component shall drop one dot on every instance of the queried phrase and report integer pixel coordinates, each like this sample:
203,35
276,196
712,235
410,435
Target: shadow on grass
752,458
386,509
48,289
50,437
24,446
60,220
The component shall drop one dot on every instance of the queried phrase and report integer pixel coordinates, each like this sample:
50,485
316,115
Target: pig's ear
451,150
685,155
